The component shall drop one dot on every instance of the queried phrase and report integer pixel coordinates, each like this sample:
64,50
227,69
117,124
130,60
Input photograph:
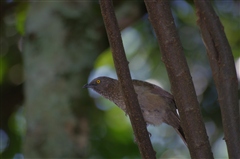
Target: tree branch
180,78
121,65
224,73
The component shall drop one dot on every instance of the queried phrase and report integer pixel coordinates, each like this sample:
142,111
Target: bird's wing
143,87
153,88
155,94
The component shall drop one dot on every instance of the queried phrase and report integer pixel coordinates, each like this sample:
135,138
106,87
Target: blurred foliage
2,70
112,136
21,15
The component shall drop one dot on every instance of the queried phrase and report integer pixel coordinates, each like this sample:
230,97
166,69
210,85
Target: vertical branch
179,75
224,73
121,65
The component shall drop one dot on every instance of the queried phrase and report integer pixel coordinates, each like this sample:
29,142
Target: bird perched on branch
157,105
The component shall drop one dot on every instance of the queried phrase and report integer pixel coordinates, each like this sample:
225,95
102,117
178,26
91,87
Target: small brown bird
157,105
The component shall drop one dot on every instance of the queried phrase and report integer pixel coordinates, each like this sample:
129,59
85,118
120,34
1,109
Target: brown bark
224,73
180,78
121,65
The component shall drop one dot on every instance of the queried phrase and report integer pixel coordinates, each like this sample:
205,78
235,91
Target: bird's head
103,85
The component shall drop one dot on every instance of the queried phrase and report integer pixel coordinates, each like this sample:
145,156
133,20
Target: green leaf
21,17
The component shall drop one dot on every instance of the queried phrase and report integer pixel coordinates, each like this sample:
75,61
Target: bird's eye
98,81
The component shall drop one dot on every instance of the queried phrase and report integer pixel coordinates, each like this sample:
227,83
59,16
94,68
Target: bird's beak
86,86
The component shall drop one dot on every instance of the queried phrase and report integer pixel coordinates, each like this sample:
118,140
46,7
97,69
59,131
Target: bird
157,105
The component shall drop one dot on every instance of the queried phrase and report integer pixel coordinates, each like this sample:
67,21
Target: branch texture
224,73
121,65
179,75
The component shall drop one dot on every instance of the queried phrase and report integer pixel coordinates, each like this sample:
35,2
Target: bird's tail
181,134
